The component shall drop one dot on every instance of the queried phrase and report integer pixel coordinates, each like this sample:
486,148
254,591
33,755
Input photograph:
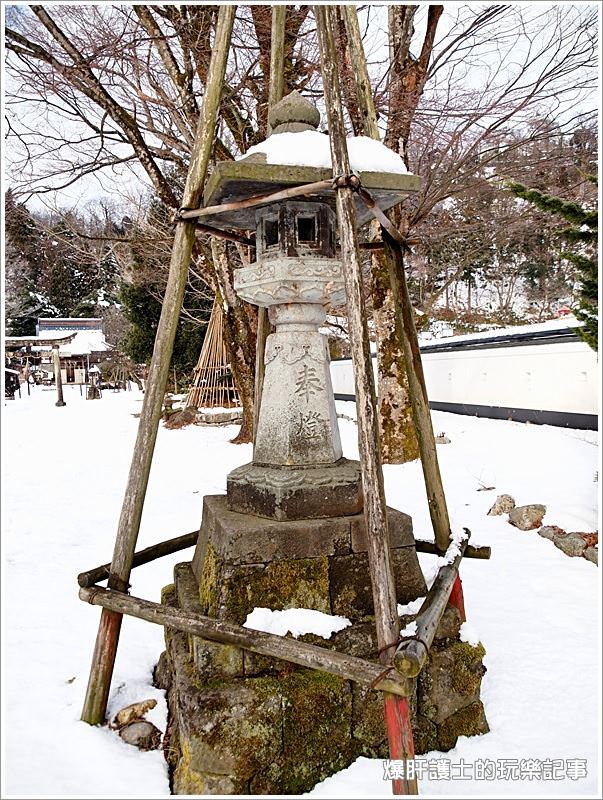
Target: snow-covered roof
561,324
313,149
84,343
55,335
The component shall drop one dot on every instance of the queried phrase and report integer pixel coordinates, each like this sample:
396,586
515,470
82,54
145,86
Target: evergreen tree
584,233
140,292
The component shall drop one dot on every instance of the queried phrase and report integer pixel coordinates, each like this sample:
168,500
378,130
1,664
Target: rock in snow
572,544
141,734
502,505
550,532
132,712
526,518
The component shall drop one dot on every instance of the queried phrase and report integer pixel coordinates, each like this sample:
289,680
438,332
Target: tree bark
240,327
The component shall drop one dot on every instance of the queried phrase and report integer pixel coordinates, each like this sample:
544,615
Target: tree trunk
398,436
240,327
396,427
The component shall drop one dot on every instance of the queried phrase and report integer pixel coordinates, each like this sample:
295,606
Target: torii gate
45,341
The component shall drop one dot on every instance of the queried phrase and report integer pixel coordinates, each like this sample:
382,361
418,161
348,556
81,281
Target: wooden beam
155,551
265,644
412,654
384,596
480,551
256,200
103,659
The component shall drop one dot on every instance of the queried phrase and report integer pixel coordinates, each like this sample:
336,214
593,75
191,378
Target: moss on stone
292,583
468,721
168,595
317,726
425,734
209,585
467,669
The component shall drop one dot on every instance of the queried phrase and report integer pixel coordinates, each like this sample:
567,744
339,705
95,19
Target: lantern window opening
271,232
306,229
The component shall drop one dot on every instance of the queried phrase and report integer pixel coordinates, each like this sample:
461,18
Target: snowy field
536,610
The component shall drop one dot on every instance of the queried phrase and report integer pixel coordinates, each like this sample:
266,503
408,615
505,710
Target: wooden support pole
364,92
480,551
103,659
155,551
275,93
56,359
406,330
412,653
266,644
407,334
384,596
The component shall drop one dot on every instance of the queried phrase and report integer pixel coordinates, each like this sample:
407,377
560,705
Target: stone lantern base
289,493
240,723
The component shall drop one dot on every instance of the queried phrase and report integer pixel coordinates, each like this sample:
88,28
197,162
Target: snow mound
297,621
312,149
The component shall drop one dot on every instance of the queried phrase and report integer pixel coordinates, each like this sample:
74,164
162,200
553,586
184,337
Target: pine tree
584,233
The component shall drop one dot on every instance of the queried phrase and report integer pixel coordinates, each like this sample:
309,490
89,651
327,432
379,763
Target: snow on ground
65,471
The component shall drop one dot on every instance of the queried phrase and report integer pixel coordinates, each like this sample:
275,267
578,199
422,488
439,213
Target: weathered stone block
592,554
468,721
425,734
526,518
399,526
450,680
232,592
450,624
285,493
351,592
572,544
368,722
288,728
244,539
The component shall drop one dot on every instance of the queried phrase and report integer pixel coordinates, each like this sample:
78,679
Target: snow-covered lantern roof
296,153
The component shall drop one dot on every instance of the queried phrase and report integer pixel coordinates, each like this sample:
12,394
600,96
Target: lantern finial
293,114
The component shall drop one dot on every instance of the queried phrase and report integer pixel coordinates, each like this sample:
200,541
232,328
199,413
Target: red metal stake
456,598
401,745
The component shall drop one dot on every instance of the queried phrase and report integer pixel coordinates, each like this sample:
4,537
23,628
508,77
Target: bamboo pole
275,92
103,658
266,644
386,618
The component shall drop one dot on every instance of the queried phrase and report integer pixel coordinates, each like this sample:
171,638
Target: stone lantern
297,471
290,532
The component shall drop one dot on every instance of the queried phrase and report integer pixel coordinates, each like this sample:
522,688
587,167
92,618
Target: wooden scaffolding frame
213,384
402,658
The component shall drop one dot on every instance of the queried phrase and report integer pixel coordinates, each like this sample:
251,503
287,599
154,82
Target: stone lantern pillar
298,471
